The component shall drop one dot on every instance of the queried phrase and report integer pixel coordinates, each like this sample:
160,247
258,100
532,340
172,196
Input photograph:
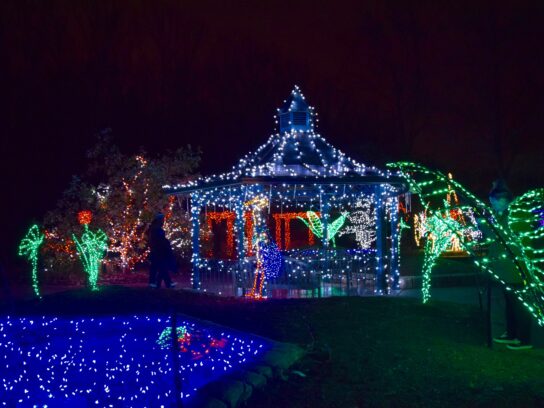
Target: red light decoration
453,201
248,217
84,217
228,216
197,344
257,204
169,211
286,218
59,245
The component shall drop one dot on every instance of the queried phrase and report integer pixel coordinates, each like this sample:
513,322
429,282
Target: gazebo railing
304,273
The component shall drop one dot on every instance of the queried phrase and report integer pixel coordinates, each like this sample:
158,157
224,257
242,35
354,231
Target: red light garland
229,217
286,219
249,232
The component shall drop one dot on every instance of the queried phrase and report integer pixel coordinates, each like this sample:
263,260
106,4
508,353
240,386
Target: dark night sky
456,85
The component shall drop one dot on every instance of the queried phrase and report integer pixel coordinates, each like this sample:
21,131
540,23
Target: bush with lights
123,192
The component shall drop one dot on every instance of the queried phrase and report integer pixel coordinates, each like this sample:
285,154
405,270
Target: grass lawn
375,352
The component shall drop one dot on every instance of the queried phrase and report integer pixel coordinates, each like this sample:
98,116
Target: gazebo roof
295,154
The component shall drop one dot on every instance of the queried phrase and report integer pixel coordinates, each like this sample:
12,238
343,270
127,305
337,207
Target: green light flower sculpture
526,220
442,229
316,226
29,248
165,338
91,248
521,242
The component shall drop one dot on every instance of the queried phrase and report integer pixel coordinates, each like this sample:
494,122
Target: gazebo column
239,231
395,256
380,241
325,209
325,214
195,238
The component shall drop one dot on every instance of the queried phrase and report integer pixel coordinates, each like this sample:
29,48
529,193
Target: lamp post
499,197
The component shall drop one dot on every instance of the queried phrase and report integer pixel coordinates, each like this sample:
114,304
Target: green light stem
316,226
29,248
91,249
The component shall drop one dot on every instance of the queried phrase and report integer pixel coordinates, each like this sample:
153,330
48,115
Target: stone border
235,388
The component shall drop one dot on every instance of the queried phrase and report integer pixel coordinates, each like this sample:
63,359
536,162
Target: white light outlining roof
296,151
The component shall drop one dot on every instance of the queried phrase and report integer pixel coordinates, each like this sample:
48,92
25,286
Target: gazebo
350,211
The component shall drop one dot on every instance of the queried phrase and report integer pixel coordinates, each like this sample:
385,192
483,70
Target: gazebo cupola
295,113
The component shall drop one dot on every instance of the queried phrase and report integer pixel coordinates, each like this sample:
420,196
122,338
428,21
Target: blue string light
110,361
271,259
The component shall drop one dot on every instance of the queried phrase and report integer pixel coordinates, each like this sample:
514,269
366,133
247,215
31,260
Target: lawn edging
235,388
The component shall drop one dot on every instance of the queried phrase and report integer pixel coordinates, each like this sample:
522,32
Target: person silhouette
518,320
161,256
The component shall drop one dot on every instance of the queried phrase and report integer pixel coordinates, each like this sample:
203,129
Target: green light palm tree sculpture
29,248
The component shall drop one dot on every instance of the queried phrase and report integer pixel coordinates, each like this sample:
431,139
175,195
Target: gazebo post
325,208
395,243
195,235
325,221
239,227
379,202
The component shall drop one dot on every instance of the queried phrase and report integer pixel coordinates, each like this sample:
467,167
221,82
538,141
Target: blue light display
113,361
271,259
540,212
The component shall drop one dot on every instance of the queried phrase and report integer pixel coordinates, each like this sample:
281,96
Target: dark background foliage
456,85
